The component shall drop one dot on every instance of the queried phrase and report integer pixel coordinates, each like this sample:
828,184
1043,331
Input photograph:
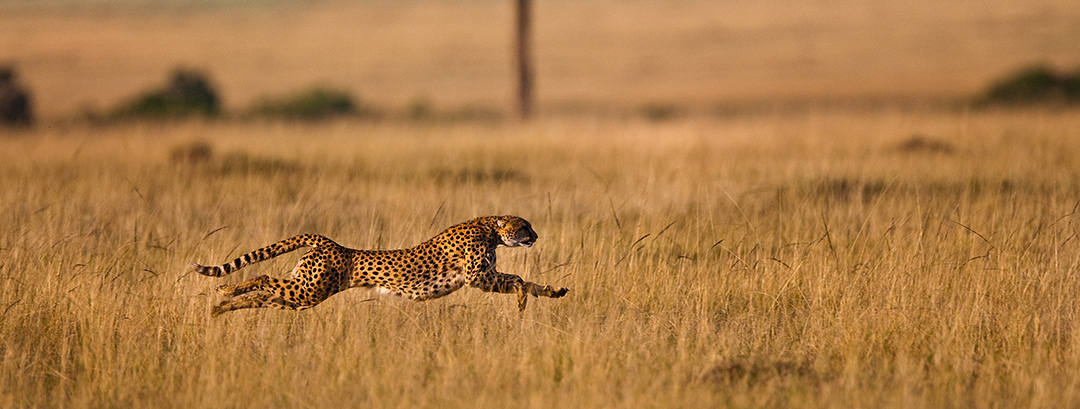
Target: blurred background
653,57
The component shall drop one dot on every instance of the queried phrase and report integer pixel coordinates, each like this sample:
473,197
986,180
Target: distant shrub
420,109
658,112
1071,87
1033,85
199,156
476,175
424,110
312,104
188,94
924,144
476,113
244,163
191,153
15,102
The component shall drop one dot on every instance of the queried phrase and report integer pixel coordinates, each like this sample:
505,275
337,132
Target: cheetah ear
500,223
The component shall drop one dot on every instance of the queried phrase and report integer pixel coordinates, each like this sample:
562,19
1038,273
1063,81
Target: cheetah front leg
537,290
510,283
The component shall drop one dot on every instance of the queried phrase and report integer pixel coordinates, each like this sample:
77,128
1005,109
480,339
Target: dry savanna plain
816,260
825,255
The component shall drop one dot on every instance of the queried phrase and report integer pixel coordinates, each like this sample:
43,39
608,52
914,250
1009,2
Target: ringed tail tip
198,268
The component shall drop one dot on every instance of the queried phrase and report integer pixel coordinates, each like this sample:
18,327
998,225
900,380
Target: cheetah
462,255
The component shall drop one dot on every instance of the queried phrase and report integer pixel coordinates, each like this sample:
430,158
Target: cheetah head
515,231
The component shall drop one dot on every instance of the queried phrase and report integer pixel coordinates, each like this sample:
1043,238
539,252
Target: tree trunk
524,61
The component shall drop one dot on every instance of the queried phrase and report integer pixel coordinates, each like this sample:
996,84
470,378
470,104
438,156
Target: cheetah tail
265,253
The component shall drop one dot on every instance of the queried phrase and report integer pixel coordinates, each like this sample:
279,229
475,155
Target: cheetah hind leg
255,299
257,283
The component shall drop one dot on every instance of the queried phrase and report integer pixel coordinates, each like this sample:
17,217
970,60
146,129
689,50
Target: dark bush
15,107
658,112
1071,86
474,113
420,109
424,110
191,153
1036,85
924,144
188,94
313,104
200,156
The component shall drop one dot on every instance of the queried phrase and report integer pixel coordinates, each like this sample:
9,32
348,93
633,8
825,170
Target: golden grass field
901,256
806,260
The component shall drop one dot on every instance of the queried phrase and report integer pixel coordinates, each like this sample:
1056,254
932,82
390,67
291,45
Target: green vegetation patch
422,109
312,104
188,94
1035,85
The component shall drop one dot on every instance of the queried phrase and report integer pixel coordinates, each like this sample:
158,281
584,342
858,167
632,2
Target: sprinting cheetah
462,255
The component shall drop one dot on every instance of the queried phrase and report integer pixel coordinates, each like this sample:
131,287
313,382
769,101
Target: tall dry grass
812,260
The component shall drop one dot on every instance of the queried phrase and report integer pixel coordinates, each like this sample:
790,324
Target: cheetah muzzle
462,255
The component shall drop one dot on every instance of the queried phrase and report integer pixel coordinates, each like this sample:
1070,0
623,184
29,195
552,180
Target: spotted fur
462,255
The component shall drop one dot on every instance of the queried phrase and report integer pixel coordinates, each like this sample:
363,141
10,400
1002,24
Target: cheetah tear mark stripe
265,253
